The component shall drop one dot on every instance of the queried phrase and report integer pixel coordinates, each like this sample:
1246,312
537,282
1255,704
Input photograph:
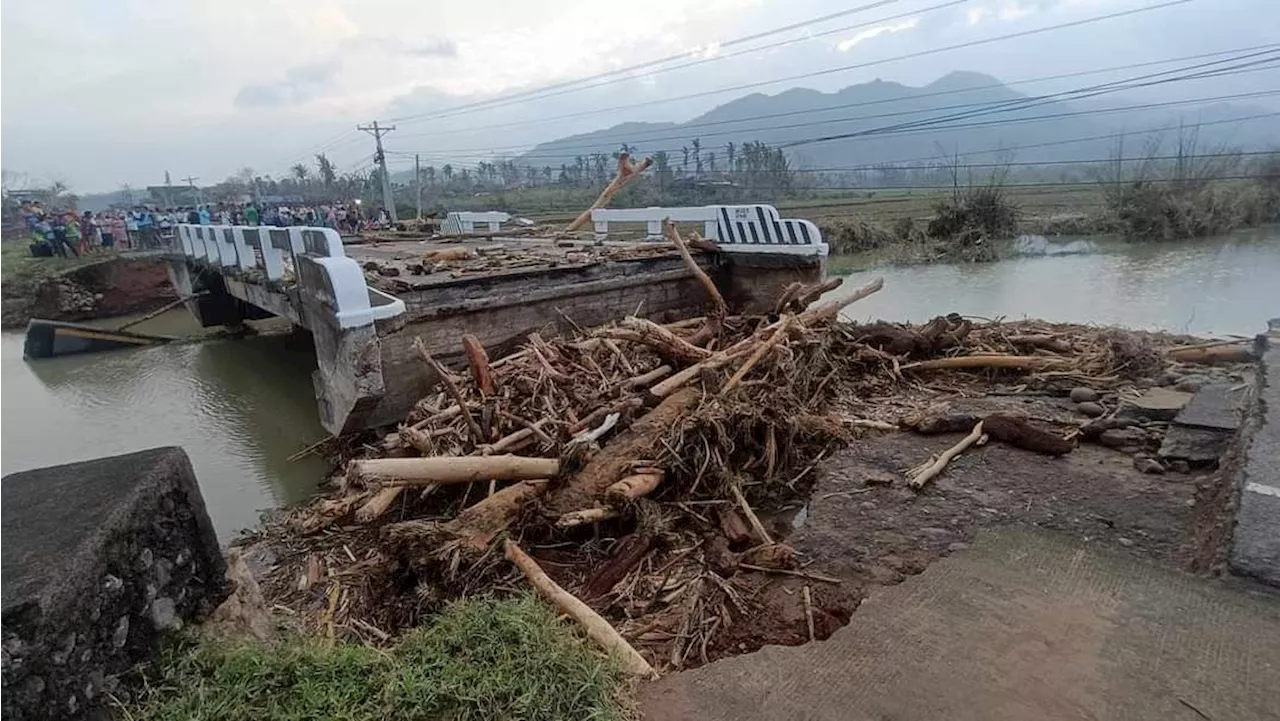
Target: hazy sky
98,93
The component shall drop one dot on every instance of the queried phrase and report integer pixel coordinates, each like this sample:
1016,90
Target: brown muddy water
241,407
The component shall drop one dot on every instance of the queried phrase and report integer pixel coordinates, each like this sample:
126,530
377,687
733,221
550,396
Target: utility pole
191,181
380,157
417,182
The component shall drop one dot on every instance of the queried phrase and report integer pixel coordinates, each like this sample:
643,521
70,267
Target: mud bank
112,287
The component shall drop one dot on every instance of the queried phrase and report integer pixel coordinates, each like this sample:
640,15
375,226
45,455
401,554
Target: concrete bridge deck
364,304
1022,625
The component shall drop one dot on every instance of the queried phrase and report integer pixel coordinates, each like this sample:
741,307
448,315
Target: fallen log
379,504
990,361
478,361
832,310
928,472
584,488
454,469
644,379
627,171
596,627
810,294
1212,354
1019,433
1042,341
627,554
633,487
478,525
666,344
719,309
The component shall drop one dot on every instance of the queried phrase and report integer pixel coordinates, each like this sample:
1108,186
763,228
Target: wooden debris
455,469
585,516
633,487
446,380
596,627
918,480
1018,432
1208,354
990,361
628,170
478,361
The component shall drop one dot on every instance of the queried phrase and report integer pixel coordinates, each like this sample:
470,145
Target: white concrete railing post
321,266
460,222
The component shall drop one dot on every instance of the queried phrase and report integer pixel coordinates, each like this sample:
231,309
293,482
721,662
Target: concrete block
1217,405
100,558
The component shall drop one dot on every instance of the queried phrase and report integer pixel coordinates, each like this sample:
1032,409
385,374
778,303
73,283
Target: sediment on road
683,490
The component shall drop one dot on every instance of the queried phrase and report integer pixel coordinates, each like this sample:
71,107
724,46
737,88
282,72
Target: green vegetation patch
480,659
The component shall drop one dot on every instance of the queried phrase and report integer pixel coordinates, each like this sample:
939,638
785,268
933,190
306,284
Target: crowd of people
67,233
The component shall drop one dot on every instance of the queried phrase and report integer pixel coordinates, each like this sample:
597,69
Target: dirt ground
863,526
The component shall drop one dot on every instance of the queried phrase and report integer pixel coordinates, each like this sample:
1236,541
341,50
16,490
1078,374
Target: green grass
21,273
480,659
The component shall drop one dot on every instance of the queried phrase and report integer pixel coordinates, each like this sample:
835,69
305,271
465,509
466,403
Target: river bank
245,419
689,570
77,289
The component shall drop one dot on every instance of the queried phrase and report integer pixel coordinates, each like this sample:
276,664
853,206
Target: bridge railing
735,228
315,256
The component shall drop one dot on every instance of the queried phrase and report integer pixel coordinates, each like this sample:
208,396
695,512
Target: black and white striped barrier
735,228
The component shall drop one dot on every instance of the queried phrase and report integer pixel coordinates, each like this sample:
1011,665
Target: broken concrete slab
1020,625
1216,405
100,558
1197,446
1156,404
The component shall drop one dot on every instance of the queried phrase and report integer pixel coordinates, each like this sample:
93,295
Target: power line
861,65
938,93
923,126
564,88
1022,102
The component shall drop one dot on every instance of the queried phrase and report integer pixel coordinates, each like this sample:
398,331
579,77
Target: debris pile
631,473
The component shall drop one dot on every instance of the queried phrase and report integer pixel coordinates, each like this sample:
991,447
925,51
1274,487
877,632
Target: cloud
1008,11
848,44
300,84
435,48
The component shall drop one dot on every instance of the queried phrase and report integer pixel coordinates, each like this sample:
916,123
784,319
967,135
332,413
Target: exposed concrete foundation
100,559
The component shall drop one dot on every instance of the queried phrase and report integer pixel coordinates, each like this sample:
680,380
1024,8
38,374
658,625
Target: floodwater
1227,285
241,407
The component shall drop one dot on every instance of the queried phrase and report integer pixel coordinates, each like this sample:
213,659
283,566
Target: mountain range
967,112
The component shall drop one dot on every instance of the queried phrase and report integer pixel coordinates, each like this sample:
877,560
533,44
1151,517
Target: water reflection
1224,285
239,409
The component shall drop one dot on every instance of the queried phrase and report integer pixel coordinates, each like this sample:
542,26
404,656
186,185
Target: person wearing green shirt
251,215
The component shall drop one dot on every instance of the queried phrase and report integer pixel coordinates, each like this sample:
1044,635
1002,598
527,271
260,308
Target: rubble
636,470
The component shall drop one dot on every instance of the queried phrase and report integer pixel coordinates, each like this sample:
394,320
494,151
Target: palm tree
447,170
301,172
697,156
327,172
